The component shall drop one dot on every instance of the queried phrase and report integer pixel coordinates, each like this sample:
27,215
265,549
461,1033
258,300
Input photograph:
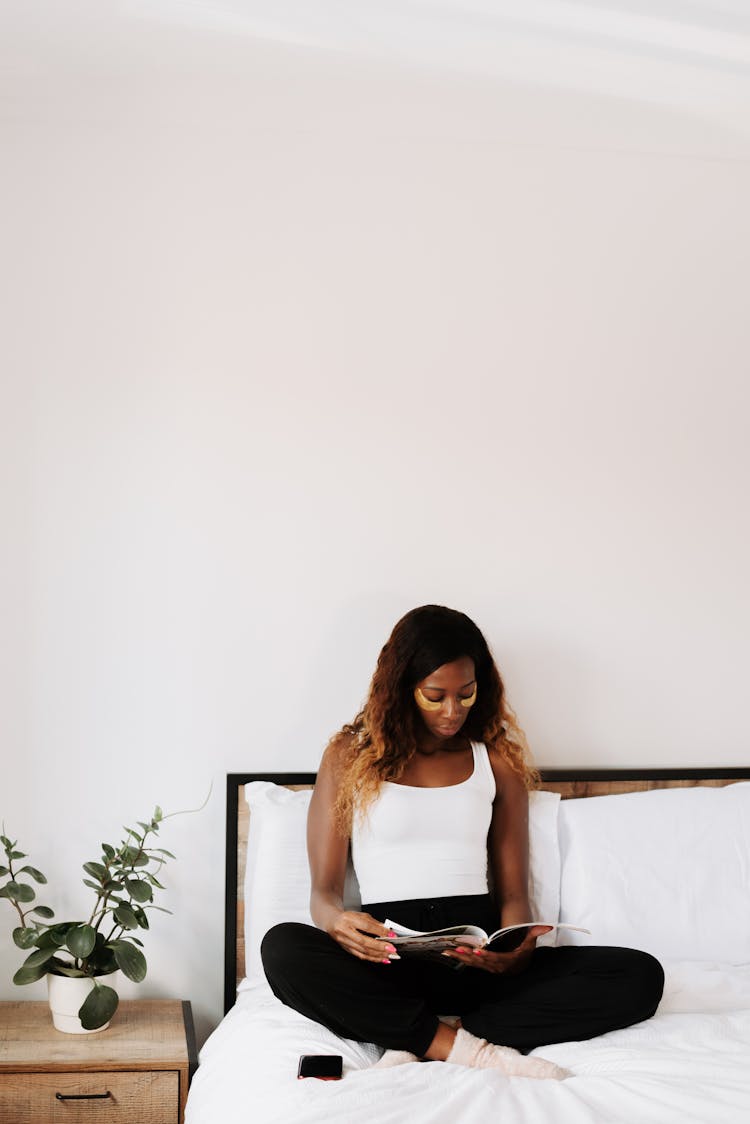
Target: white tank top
426,842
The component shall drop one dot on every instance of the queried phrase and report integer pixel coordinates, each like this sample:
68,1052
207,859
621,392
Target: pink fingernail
391,947
462,949
385,961
391,933
479,952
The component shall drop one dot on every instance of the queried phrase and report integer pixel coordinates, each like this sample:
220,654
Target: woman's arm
508,845
328,850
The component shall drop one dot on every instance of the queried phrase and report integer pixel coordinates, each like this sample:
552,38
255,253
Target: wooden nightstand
135,1072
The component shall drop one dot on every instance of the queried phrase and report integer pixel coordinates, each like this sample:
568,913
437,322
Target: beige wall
298,340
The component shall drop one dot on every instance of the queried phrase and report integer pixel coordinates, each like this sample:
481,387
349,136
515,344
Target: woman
429,786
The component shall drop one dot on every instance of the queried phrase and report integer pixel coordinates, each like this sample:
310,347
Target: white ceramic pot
66,997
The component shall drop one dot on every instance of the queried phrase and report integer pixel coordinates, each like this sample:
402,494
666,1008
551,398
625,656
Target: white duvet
690,1063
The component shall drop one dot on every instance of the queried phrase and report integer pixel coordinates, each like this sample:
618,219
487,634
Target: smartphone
326,1067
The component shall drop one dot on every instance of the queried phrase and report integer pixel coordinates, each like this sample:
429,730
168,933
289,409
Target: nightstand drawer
150,1097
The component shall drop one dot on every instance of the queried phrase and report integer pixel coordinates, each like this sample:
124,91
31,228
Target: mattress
690,1062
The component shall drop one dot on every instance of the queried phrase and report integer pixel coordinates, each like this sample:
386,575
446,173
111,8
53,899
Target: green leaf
51,939
63,969
105,962
17,892
108,850
43,911
155,882
142,918
130,960
94,885
26,975
163,851
6,843
81,940
96,870
161,909
35,874
41,956
158,814
136,941
24,937
57,935
125,916
140,891
111,886
98,1007
3,871
17,854
106,967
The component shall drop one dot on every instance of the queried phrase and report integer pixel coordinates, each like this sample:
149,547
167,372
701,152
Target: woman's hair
383,737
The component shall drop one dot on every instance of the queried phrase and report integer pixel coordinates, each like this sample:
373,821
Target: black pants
566,994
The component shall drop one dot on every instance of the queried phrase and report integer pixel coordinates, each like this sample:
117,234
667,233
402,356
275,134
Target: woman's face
445,697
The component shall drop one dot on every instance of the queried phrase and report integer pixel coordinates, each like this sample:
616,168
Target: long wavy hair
382,739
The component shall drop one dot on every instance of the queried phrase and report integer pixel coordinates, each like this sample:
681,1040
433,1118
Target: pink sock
481,1054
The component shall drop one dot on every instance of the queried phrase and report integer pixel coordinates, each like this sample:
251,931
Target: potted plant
84,956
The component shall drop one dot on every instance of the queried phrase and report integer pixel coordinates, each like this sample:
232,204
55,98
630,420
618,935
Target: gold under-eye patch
425,703
429,704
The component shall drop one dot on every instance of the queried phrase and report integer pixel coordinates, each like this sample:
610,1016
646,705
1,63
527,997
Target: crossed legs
568,993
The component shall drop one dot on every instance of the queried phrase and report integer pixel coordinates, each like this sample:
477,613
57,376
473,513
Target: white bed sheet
691,1062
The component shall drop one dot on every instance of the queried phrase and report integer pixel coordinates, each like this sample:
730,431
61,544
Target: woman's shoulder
506,777
337,751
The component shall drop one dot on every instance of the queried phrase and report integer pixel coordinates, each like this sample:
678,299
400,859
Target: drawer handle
83,1096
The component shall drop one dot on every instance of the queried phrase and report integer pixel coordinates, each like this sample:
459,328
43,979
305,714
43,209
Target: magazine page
470,936
411,940
505,940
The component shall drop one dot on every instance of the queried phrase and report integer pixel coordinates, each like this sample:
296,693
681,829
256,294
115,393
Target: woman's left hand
501,963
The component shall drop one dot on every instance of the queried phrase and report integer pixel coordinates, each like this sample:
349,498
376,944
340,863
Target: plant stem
19,911
99,897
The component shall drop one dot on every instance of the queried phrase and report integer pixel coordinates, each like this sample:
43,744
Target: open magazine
414,942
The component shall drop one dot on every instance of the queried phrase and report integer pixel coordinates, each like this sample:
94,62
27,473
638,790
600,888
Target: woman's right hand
357,933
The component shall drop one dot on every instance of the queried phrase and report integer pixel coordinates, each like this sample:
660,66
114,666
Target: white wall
299,339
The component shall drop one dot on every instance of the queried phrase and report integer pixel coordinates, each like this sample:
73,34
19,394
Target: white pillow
666,871
277,876
544,859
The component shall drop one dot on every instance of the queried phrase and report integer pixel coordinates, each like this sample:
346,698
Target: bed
658,860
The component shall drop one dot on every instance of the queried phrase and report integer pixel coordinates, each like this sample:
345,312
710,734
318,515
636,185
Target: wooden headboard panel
568,782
